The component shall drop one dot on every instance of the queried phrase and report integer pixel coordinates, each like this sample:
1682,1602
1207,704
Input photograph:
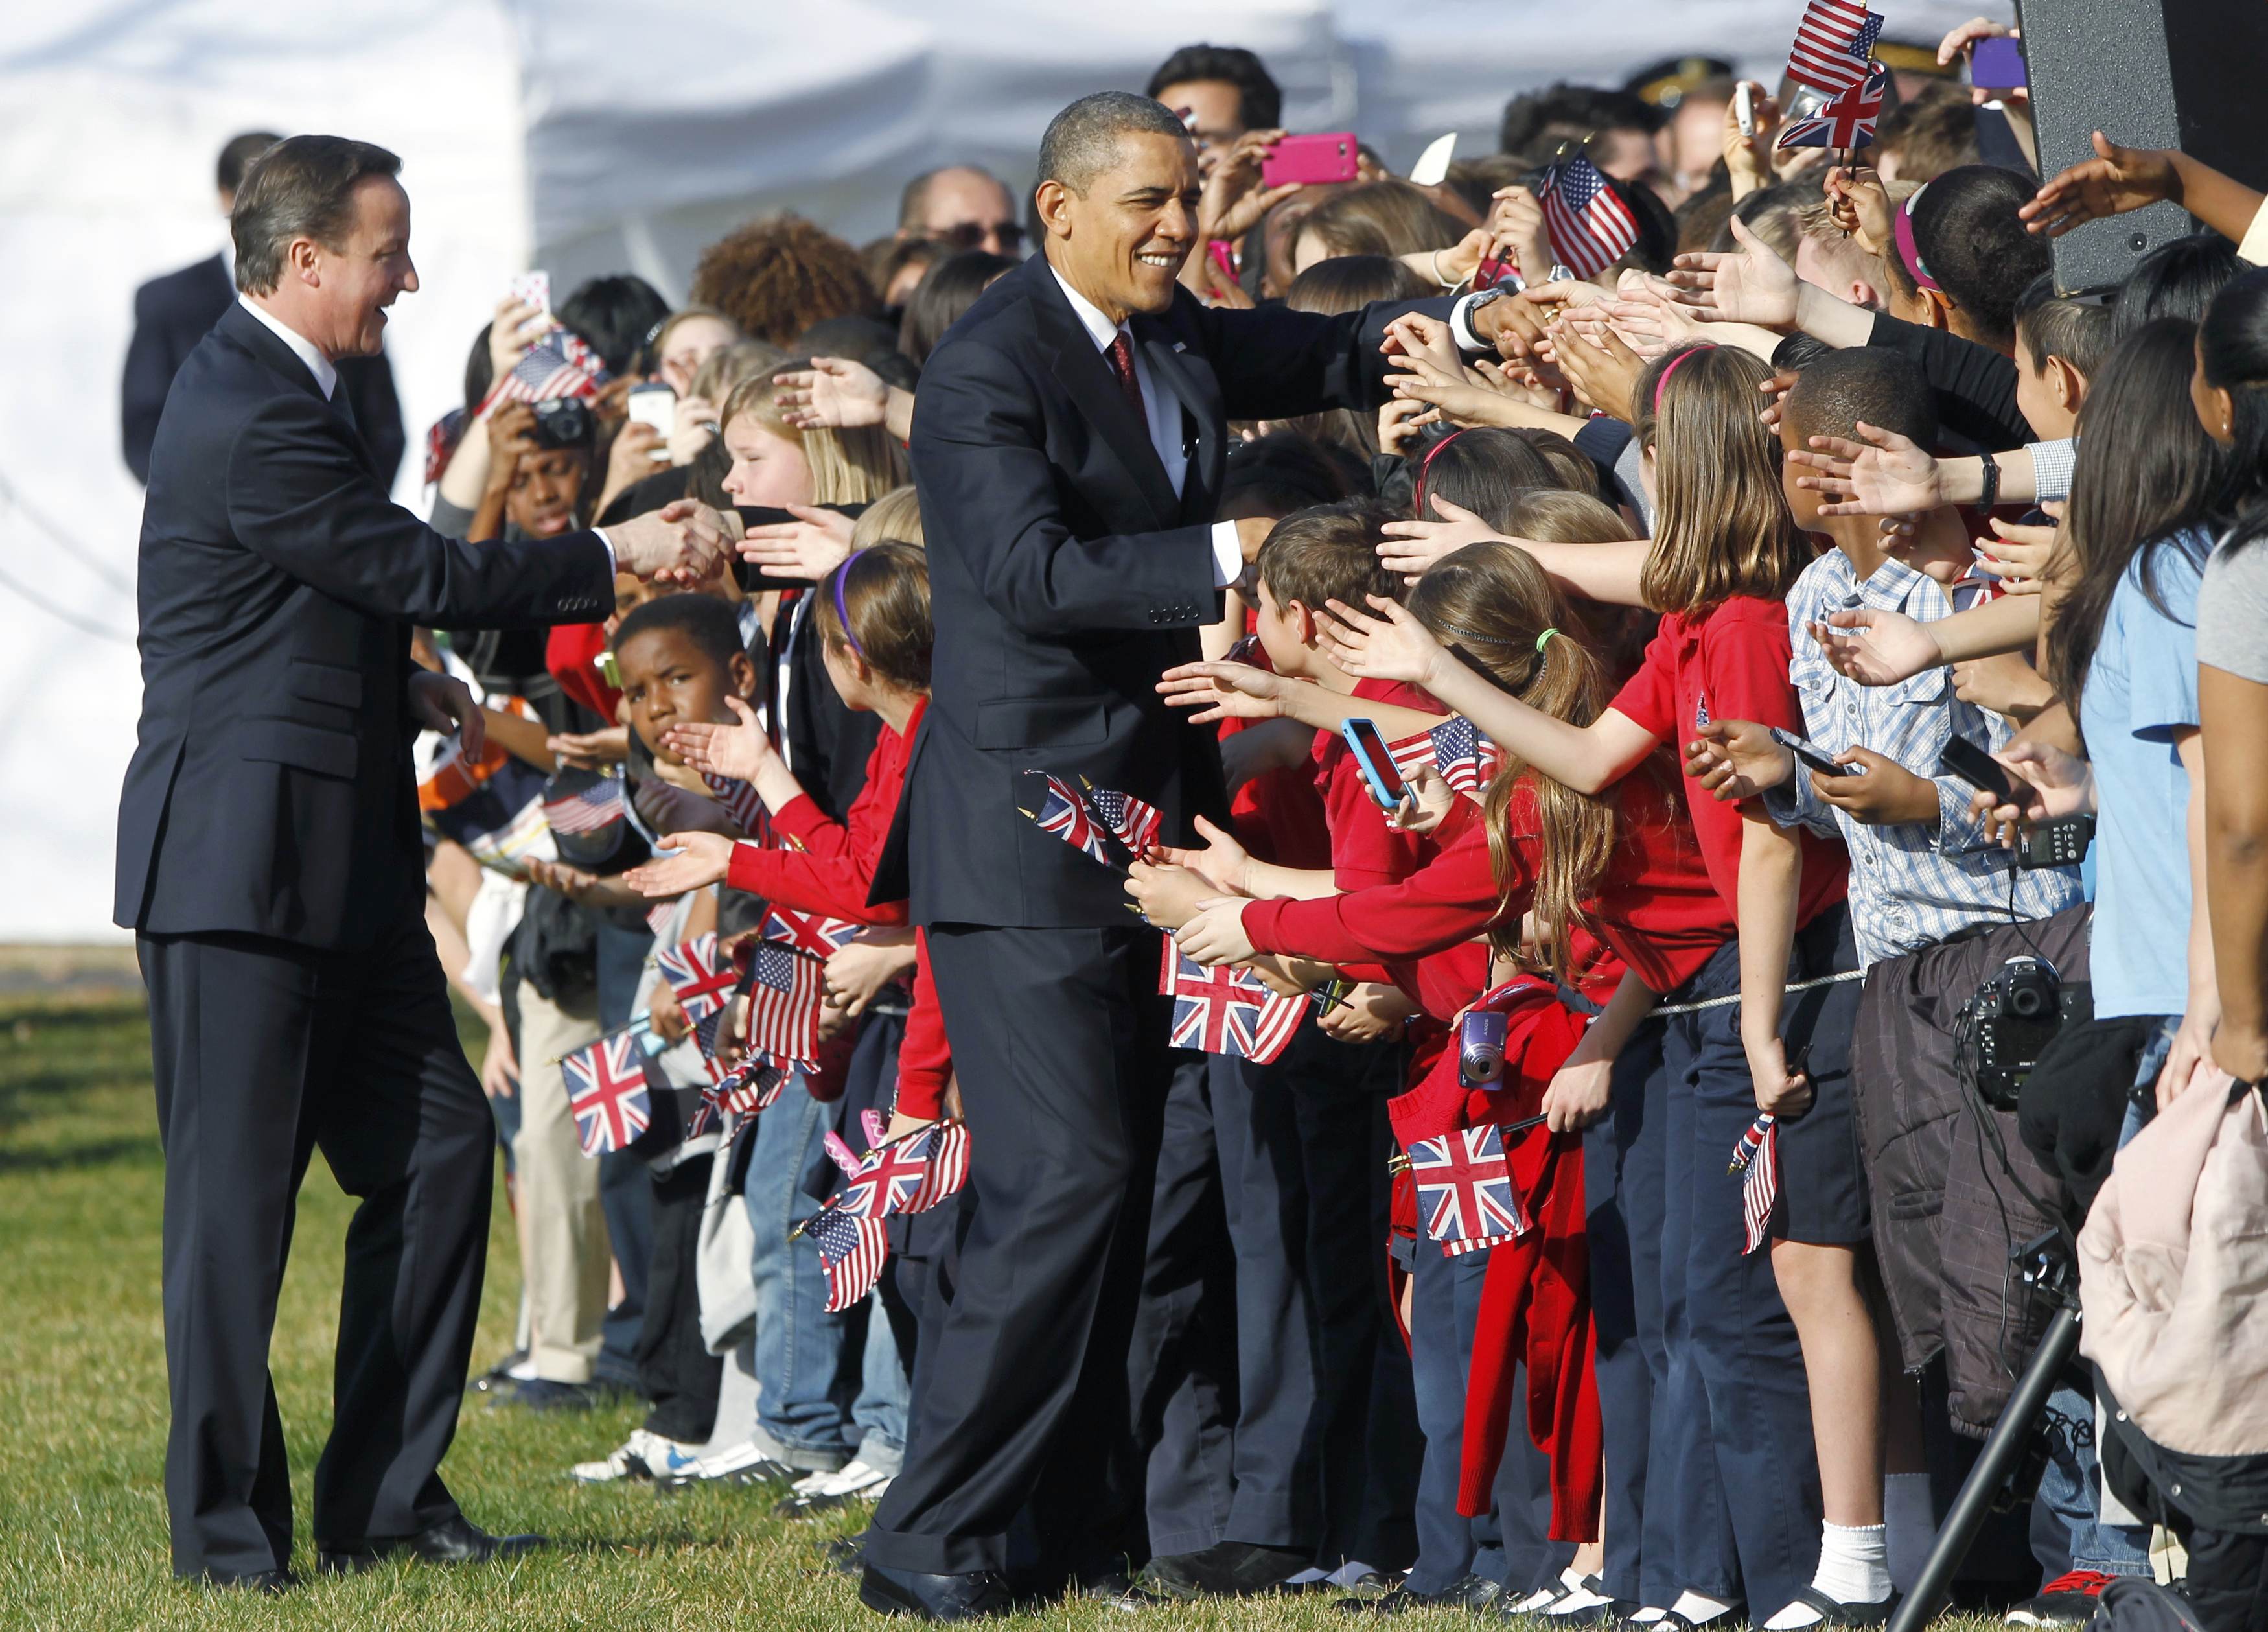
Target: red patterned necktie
1122,363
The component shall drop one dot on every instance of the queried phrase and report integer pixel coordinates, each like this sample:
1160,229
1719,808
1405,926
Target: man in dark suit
172,313
1069,442
269,864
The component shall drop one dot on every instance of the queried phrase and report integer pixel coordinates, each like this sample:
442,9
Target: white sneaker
853,1482
641,1456
744,1463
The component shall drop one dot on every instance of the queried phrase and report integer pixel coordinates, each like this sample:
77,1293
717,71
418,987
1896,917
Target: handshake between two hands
685,543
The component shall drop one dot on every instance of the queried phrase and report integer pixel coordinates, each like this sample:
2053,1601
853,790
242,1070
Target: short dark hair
237,157
2053,325
303,186
708,623
1573,113
1259,98
945,291
615,316
913,200
1883,388
1327,553
2179,279
1082,141
1967,233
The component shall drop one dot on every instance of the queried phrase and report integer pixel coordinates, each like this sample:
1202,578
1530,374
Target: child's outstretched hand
701,860
1221,863
739,751
1388,644
1216,935
1224,691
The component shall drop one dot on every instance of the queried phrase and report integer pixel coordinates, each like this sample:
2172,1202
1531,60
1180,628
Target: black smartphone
1972,764
1811,754
752,577
1368,744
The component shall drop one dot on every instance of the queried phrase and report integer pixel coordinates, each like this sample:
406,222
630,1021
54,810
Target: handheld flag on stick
1590,226
1457,748
1133,821
699,980
606,1089
784,990
1065,812
1227,1010
1757,1155
1465,1192
1833,44
588,809
812,932
852,1250
740,803
1847,122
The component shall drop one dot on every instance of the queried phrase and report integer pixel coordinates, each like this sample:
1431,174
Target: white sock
1647,1616
1579,1597
1854,1567
1698,1608
1913,1523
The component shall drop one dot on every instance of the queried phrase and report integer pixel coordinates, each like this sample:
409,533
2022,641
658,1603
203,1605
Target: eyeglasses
972,234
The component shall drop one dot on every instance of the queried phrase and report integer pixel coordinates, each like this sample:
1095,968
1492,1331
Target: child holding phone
1746,1332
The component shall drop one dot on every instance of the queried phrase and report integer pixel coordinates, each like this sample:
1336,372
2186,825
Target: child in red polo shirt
1724,552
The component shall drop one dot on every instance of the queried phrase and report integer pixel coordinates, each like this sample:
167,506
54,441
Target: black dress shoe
269,1583
453,1541
539,1393
934,1598
1225,1569
1472,1593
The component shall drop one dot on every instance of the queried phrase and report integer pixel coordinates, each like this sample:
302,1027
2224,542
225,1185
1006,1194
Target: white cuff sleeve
1461,331
1227,555
613,560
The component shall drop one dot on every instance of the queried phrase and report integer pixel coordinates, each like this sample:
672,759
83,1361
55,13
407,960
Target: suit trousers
264,1050
1022,1390
562,1233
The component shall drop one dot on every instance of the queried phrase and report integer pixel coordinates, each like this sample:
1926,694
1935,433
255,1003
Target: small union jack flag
740,803
1135,822
784,990
1833,44
912,1176
852,1250
606,1089
590,808
560,364
1064,812
1848,122
1758,1155
1465,1190
704,1038
699,981
1457,747
1590,226
748,1089
1227,1010
813,933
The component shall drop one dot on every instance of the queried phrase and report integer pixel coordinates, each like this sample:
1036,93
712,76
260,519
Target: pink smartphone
1224,259
1310,159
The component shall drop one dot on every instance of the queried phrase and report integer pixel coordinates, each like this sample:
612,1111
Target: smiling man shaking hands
1069,443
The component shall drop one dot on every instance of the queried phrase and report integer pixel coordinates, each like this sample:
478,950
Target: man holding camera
270,864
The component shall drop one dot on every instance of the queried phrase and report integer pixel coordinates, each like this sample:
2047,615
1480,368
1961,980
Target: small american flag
785,990
1457,748
813,933
558,364
1848,122
852,1250
1590,226
740,803
606,1089
1758,1155
1135,822
1465,1190
1833,44
700,982
596,806
1227,1010
1065,814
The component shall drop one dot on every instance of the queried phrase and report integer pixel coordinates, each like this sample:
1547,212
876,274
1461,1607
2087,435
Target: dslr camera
2010,1021
562,422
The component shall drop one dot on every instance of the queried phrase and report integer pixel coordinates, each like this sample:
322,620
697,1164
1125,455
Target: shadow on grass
61,1158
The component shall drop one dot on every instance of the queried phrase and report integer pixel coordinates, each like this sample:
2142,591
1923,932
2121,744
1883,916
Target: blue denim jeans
806,1399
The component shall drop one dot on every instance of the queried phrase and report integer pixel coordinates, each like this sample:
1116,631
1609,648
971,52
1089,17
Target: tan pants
564,1256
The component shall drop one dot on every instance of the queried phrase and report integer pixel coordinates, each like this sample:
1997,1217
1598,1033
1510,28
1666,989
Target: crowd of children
1748,641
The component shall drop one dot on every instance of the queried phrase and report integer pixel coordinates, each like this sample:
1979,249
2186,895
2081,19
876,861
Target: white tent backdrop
583,137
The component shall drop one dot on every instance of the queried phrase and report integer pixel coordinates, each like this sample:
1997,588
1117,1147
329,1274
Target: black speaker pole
2019,1419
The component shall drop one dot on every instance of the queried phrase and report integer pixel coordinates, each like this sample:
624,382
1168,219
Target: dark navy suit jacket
271,790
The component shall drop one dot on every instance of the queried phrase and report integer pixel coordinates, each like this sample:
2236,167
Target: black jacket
172,313
271,790
1065,575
